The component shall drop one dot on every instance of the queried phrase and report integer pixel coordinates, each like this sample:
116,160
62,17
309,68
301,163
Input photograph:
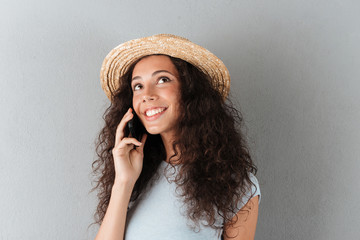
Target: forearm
113,225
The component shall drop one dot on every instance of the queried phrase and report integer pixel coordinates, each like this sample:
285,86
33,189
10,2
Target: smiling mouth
153,112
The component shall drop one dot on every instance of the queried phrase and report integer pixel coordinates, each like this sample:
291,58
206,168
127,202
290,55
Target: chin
153,131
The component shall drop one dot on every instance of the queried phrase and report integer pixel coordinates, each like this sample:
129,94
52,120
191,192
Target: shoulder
255,187
245,222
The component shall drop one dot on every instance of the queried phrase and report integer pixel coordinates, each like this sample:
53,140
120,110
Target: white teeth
154,111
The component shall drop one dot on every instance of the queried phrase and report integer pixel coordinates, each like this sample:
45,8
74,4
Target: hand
128,160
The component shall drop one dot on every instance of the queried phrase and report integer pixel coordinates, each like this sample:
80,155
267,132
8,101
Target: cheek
176,101
135,104
174,93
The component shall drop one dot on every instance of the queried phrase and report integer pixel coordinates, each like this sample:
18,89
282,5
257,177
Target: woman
191,172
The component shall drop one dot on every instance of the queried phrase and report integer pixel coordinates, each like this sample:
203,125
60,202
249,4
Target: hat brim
119,59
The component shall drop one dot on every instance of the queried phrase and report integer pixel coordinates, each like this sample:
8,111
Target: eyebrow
154,73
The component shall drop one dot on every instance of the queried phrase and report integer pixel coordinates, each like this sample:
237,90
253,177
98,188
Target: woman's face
156,94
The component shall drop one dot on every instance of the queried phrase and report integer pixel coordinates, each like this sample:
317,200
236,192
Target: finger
129,142
121,126
143,140
138,162
125,146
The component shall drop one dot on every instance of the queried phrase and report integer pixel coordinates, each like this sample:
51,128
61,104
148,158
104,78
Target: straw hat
119,59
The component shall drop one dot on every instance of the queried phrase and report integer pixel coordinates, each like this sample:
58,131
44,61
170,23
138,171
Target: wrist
123,185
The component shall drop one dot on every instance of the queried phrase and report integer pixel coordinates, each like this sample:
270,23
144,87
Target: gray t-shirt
159,213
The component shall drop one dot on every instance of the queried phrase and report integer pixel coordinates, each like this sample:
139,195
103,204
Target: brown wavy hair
215,159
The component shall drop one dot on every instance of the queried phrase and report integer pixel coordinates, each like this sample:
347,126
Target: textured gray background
295,68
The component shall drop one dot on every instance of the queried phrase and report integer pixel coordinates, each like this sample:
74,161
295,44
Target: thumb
143,140
138,162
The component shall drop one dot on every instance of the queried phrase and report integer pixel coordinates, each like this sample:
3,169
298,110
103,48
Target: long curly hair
215,159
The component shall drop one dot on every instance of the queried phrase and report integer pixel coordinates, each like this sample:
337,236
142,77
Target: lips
154,112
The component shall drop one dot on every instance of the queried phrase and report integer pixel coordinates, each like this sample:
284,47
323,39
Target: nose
148,98
149,94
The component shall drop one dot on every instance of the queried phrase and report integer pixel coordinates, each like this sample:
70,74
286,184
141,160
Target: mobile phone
136,128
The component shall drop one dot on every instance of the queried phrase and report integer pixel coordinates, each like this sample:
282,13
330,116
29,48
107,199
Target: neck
168,140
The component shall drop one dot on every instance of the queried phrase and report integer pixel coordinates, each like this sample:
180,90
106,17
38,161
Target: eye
163,79
137,87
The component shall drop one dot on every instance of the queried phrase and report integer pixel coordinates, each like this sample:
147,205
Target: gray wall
295,68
